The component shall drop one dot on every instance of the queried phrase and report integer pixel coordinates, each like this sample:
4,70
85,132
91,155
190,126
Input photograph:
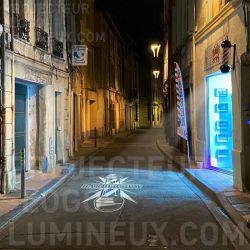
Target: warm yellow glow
156,49
156,73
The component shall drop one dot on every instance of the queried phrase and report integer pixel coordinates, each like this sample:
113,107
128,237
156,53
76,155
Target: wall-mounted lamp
226,46
156,49
156,73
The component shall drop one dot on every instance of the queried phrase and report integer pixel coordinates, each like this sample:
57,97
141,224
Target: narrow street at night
124,124
154,206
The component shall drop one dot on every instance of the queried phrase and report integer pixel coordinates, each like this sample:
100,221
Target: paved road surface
128,197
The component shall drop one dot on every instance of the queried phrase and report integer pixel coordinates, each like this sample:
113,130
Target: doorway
58,127
220,121
20,123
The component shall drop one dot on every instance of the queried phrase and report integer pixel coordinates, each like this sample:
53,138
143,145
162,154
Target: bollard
23,170
95,137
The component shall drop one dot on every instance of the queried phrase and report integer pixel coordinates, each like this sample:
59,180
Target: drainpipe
3,100
170,101
109,108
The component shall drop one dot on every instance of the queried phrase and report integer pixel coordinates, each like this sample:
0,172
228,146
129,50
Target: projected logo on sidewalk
111,192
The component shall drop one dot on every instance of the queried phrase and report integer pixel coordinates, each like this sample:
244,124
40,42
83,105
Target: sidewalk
38,186
217,185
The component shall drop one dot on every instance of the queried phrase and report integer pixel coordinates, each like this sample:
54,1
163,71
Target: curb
36,199
178,165
219,198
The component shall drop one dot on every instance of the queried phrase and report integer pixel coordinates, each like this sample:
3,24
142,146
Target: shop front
219,121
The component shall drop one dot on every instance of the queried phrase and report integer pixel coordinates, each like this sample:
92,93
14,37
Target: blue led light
220,120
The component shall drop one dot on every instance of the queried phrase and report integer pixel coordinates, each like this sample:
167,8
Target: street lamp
156,73
156,49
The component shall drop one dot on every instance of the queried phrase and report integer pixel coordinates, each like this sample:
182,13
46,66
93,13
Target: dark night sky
138,18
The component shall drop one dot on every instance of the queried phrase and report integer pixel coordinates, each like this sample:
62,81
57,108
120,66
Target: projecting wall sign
110,193
214,54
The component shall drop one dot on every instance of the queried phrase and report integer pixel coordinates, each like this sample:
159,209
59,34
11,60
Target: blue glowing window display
220,121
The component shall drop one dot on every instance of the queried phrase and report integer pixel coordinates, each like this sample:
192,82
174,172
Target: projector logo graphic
110,193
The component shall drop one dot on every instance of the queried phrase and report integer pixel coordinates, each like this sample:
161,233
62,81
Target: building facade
105,91
52,106
219,101
36,87
157,100
178,47
219,119
145,97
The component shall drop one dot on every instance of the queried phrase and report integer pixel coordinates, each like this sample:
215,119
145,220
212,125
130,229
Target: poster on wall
181,109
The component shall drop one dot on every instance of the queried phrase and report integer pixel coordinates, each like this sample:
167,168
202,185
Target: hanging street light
156,73
156,49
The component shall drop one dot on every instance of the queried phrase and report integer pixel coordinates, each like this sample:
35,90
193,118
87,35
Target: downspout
109,108
11,5
70,81
3,100
170,87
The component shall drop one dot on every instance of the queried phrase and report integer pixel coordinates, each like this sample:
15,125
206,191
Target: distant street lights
156,49
156,73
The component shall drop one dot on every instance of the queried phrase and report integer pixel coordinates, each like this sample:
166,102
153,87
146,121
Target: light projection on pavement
110,193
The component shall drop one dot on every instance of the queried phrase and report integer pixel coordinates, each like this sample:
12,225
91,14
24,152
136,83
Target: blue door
220,121
20,122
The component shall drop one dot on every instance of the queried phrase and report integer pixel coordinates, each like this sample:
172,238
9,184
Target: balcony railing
42,39
22,28
57,48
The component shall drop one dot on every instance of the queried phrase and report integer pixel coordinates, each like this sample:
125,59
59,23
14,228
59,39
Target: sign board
214,54
79,55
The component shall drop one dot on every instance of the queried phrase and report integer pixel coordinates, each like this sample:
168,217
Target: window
42,37
21,25
57,11
19,7
57,19
41,12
